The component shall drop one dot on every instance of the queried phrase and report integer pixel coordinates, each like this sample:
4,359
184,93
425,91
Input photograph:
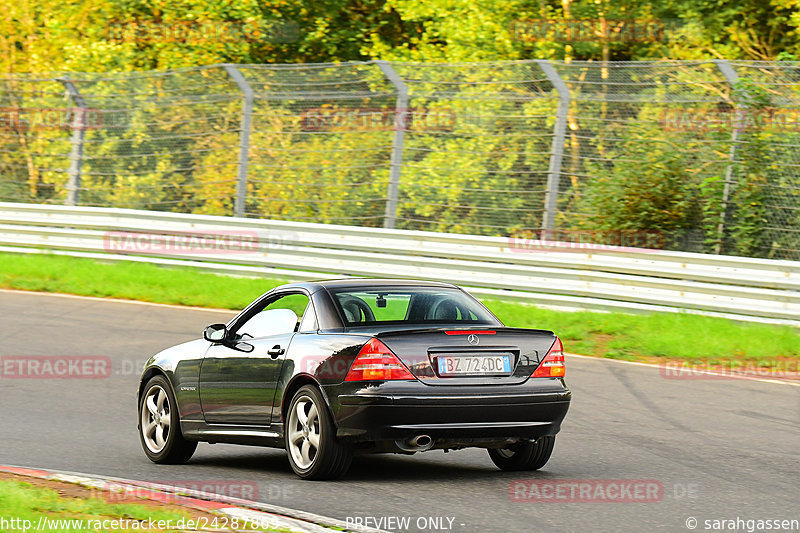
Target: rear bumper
451,414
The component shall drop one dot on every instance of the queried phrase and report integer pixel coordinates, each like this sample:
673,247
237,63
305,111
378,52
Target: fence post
400,121
732,77
557,147
78,134
244,138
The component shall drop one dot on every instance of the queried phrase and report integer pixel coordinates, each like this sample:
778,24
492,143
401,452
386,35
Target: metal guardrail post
557,147
400,122
244,138
732,77
78,134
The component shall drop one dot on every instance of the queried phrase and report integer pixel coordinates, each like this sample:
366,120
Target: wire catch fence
700,152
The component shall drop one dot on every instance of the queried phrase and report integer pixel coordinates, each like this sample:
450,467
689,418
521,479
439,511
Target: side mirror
215,333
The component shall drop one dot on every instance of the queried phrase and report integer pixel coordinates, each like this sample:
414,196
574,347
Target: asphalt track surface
718,448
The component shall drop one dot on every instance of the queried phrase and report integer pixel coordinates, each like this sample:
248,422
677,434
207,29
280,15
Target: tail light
377,362
553,364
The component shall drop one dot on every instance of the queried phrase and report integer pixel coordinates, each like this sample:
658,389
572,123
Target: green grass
23,501
616,335
657,335
27,502
129,280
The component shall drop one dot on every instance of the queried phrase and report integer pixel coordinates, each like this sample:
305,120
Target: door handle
276,351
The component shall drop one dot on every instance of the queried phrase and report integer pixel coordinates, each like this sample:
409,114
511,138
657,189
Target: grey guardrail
598,277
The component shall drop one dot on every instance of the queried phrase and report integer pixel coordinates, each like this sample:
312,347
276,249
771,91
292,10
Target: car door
237,387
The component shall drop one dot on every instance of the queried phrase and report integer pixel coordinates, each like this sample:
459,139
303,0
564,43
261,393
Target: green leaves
102,35
649,189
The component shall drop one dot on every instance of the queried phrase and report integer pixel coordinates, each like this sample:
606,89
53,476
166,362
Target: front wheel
159,425
528,456
310,437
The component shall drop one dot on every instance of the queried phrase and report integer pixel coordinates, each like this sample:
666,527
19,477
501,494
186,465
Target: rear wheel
310,436
159,425
528,456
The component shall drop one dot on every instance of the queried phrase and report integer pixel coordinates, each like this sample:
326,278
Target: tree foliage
102,35
175,146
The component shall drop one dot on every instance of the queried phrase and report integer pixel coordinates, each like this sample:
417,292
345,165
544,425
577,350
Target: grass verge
650,337
55,506
31,506
29,503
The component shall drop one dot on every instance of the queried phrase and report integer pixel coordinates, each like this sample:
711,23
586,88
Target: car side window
278,317
309,321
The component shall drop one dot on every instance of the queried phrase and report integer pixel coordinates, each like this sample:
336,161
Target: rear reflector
376,362
553,364
471,332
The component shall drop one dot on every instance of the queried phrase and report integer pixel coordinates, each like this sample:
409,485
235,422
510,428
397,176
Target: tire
310,438
529,456
159,425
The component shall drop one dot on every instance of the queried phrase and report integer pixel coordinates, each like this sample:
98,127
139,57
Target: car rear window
410,306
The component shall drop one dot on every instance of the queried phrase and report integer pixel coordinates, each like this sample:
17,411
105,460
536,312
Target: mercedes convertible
330,369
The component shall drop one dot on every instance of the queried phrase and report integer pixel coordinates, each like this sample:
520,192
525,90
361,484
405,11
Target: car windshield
415,305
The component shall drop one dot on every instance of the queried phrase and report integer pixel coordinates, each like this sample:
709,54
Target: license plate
474,365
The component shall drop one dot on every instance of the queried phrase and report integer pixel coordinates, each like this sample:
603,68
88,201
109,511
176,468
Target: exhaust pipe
420,443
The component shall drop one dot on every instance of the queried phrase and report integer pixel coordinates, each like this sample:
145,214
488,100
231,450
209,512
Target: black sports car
328,369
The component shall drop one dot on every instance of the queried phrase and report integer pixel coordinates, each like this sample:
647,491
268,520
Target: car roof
362,283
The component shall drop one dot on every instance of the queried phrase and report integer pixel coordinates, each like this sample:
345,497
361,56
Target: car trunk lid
470,356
